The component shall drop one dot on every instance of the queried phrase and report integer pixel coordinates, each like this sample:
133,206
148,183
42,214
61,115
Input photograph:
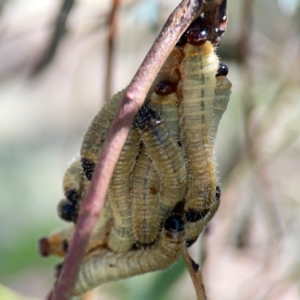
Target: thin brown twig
132,101
195,274
110,48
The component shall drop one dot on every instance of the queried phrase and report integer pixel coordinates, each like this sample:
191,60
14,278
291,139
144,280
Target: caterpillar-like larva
165,101
198,70
57,243
96,134
104,266
222,96
121,237
195,226
166,156
74,186
145,200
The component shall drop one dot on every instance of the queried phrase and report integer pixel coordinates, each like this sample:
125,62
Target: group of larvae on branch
164,187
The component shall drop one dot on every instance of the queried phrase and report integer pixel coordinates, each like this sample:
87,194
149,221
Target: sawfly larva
198,70
104,266
222,96
121,236
58,242
74,186
165,101
145,200
166,156
96,134
198,221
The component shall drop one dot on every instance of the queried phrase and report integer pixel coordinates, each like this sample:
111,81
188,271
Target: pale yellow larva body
105,266
167,107
198,70
74,179
59,240
96,134
169,163
121,237
222,96
145,200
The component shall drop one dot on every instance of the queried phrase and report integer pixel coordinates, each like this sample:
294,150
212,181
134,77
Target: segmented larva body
105,266
145,200
168,161
222,96
167,107
74,186
119,195
58,242
73,179
198,70
95,136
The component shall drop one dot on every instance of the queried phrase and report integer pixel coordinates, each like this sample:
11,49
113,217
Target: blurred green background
251,248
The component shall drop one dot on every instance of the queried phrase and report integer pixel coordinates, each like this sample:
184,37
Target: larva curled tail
104,266
74,186
198,70
58,242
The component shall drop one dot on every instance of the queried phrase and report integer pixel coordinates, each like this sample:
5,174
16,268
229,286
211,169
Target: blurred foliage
251,250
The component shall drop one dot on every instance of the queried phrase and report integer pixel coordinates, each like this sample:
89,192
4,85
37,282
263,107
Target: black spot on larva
189,243
164,88
88,168
174,223
44,246
223,70
67,211
179,208
65,245
72,196
193,215
218,192
57,270
146,118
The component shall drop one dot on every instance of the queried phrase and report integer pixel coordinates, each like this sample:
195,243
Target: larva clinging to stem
166,156
121,237
105,266
145,200
95,136
198,70
74,186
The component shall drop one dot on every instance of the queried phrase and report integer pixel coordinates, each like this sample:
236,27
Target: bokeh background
251,249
